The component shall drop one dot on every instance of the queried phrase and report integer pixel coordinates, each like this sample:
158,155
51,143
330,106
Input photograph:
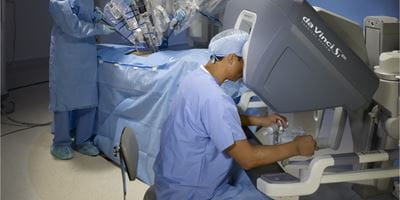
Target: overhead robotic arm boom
148,22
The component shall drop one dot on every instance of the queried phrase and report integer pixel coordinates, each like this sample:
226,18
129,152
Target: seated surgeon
202,140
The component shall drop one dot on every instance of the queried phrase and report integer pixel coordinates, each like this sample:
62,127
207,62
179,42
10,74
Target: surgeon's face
236,67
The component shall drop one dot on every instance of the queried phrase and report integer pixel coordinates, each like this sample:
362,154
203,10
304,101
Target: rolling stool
128,152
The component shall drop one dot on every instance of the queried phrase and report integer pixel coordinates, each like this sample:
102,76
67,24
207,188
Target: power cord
8,107
25,125
29,85
29,124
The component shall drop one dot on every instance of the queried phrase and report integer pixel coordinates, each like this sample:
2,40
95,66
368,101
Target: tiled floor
29,172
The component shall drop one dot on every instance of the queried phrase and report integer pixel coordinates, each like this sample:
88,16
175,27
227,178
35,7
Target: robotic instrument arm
148,23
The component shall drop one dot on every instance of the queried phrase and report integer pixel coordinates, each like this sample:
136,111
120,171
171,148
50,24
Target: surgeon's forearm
248,120
264,155
250,156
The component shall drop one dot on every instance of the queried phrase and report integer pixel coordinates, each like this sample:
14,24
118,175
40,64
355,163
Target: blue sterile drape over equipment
136,92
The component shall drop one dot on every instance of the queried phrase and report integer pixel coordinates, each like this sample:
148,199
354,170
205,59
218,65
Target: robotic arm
147,23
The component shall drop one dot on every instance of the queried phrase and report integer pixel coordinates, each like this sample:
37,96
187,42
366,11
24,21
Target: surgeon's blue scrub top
203,121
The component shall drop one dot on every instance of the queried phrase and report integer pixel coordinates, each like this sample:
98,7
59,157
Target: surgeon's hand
273,119
305,145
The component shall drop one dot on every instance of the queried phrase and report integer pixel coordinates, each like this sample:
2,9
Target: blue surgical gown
73,55
203,121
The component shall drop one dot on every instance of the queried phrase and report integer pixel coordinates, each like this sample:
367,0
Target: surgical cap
228,42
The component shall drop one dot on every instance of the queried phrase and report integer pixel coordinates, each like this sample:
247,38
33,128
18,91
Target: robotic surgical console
294,62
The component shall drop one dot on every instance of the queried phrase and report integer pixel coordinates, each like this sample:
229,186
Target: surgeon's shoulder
196,79
216,95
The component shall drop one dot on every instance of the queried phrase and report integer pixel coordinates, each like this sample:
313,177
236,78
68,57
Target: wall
2,53
27,40
357,10
33,25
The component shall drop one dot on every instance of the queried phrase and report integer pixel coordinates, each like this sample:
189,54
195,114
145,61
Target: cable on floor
25,128
25,125
8,107
25,86
11,124
15,131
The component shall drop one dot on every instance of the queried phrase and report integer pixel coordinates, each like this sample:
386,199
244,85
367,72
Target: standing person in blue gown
73,75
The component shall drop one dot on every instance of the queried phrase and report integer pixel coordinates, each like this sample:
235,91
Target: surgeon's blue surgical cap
228,42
